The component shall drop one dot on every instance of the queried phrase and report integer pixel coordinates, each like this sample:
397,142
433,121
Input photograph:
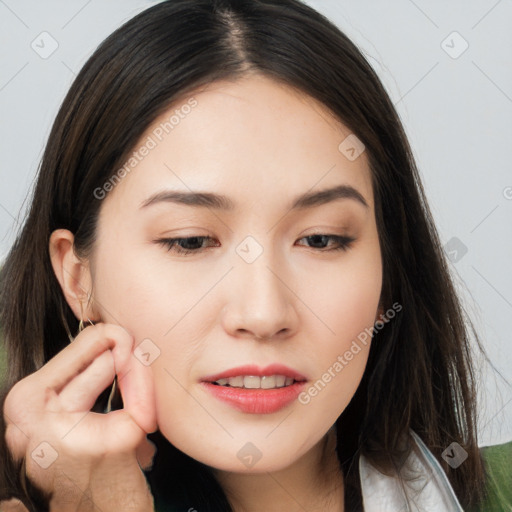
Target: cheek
146,295
334,386
345,299
349,310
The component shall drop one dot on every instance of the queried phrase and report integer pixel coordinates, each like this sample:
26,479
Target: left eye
195,244
321,242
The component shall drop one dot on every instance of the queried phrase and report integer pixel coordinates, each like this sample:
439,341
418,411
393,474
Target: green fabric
498,466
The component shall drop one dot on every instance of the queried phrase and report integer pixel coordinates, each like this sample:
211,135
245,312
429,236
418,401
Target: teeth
280,380
237,382
268,382
251,382
255,382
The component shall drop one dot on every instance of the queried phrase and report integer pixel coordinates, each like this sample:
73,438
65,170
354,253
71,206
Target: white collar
429,491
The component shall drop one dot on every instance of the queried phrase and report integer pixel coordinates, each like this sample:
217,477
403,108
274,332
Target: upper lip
251,369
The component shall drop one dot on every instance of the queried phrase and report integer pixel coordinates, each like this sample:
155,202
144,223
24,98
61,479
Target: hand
84,459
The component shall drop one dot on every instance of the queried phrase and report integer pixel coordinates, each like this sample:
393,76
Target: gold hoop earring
81,325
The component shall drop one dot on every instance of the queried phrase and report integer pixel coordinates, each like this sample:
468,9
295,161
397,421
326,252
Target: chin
244,453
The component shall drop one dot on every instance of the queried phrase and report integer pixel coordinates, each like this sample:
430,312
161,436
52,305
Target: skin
261,144
48,424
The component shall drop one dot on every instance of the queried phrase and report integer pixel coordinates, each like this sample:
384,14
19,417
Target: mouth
256,391
256,382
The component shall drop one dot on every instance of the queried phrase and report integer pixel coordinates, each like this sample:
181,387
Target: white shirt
429,491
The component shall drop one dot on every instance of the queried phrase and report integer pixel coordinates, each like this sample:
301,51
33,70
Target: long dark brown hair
419,375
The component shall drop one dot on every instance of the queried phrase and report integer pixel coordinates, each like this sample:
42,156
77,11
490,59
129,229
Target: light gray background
456,107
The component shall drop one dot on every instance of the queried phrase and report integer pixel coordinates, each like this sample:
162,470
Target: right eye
187,245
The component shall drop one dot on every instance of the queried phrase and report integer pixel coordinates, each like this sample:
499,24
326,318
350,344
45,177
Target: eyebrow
221,202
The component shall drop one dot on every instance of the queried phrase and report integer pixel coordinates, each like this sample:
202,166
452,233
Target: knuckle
15,441
99,339
20,393
108,335
118,331
10,402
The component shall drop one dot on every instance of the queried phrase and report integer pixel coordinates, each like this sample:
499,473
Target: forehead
254,138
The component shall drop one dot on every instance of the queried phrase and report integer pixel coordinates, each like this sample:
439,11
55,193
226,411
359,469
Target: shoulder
418,481
430,487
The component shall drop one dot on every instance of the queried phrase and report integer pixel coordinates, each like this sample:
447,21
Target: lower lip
256,401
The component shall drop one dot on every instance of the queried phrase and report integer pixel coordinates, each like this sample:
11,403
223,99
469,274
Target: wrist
116,486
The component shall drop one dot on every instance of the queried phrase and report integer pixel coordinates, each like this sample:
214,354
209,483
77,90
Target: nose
260,302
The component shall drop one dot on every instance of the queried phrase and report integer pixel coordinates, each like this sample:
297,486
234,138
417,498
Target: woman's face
260,284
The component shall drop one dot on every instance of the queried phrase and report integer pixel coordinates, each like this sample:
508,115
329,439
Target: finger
17,441
19,409
122,350
118,433
138,394
79,354
81,393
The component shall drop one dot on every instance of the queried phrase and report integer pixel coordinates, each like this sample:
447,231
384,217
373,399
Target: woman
229,205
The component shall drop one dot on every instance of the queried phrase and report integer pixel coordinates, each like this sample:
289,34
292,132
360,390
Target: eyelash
344,243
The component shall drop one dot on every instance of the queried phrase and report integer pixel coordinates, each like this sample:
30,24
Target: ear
73,274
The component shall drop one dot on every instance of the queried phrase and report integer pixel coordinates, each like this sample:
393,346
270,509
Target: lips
256,401
248,370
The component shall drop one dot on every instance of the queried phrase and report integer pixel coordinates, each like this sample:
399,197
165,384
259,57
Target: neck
314,483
